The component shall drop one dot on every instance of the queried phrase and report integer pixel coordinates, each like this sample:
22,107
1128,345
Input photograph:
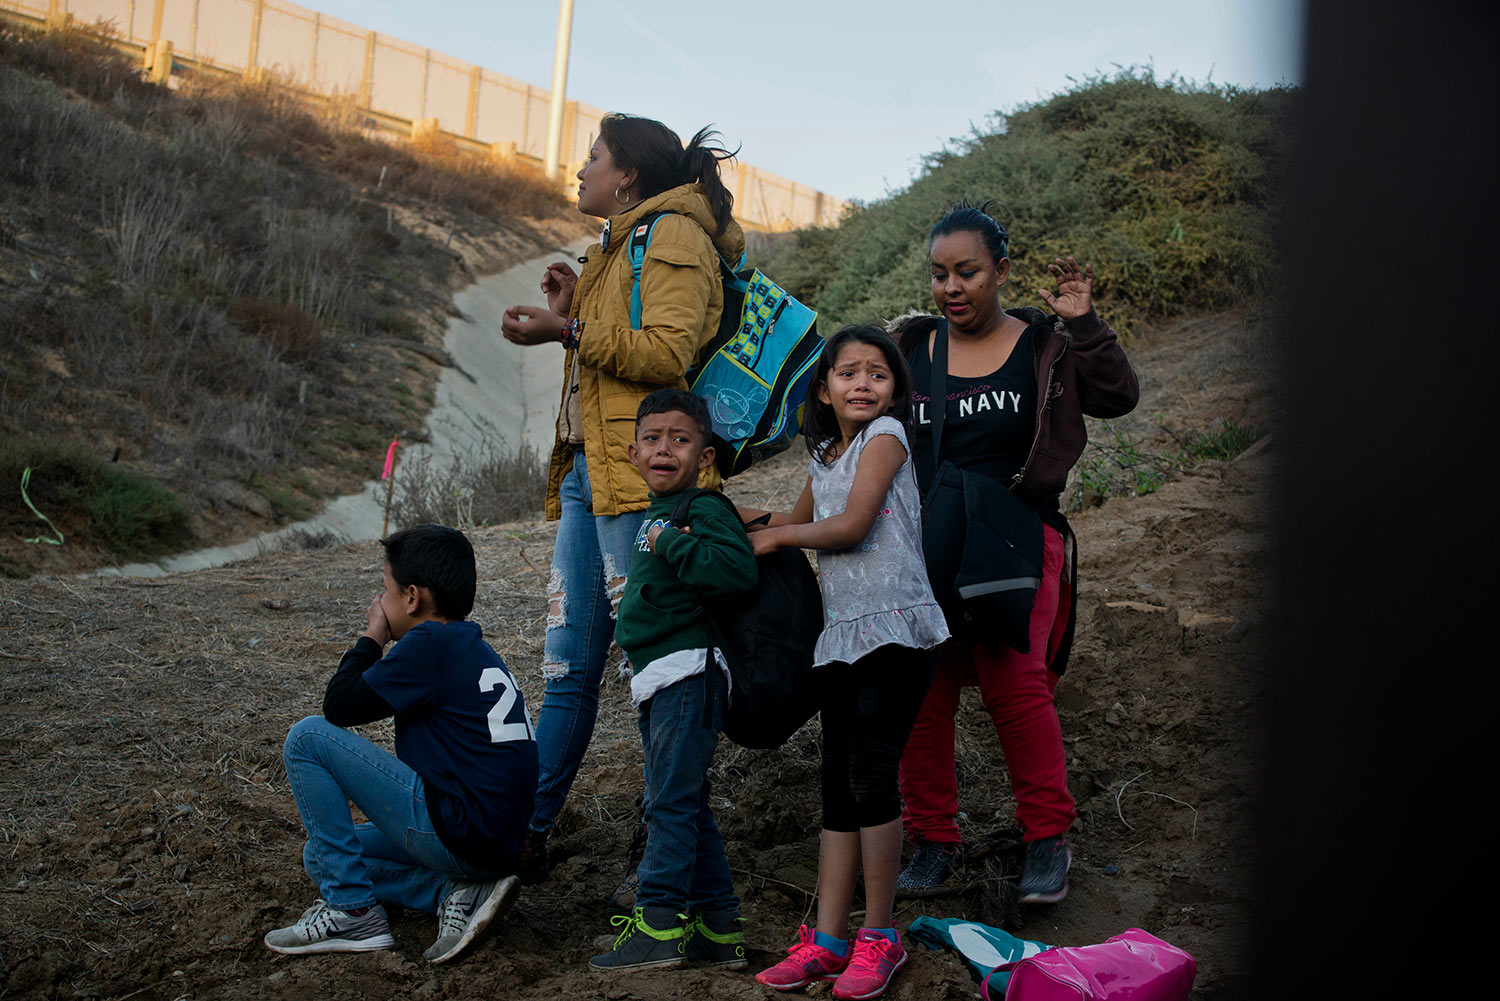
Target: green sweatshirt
659,614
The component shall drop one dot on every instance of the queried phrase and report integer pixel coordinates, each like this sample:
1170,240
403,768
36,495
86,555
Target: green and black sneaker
653,939
715,938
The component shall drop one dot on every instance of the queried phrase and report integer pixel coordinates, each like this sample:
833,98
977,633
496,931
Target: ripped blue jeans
589,564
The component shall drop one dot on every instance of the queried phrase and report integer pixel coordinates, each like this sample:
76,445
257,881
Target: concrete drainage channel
495,389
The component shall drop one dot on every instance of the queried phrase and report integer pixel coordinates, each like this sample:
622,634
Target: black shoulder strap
711,677
640,237
680,509
939,390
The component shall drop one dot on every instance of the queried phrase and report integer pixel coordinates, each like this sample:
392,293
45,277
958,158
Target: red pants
1017,691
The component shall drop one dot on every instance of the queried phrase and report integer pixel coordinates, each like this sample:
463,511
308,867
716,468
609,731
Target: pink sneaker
872,962
805,962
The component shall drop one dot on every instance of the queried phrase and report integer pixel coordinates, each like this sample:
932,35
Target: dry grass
205,284
123,806
146,827
484,487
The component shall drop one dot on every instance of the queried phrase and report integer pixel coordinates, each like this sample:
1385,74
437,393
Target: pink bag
1131,966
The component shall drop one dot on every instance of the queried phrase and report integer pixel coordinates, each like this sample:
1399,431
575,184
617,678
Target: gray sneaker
468,910
323,929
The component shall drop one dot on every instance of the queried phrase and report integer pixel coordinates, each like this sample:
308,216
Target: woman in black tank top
998,423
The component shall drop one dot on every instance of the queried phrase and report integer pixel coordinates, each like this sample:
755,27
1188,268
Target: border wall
403,89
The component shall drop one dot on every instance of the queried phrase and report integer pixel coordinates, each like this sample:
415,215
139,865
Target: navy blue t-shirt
462,725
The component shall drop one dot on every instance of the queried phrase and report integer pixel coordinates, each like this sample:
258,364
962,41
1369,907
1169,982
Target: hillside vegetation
1167,188
216,307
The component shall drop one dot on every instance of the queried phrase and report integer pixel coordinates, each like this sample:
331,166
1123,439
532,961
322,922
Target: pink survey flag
390,460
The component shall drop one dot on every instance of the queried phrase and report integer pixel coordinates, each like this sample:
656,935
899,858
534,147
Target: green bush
1169,189
127,515
1115,466
1228,441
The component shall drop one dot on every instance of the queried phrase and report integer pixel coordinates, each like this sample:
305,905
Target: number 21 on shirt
500,731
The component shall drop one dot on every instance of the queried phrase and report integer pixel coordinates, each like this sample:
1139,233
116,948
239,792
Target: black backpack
767,638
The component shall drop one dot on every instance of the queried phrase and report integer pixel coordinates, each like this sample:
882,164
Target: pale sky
841,95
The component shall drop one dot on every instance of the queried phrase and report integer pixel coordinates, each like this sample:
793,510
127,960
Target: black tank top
991,419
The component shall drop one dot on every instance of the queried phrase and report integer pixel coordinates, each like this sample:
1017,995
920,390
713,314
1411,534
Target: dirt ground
148,839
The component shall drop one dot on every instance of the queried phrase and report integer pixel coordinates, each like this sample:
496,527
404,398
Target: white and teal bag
981,946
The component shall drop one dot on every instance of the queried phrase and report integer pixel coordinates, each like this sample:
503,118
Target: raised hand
377,628
558,283
1075,289
530,325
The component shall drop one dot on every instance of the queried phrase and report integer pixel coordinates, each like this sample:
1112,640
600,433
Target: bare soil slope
148,839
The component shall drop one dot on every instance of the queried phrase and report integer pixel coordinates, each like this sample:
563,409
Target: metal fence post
366,82
426,72
471,116
312,69
569,133
260,6
526,121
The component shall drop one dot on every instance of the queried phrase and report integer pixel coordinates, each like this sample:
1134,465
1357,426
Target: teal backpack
756,371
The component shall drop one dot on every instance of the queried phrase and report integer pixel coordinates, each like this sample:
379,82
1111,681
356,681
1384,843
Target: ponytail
700,162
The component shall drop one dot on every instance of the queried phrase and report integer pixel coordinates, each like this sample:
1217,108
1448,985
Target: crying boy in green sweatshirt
664,634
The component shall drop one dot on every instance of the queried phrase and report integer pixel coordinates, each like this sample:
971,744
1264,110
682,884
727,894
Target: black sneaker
929,868
622,901
653,939
1045,879
715,938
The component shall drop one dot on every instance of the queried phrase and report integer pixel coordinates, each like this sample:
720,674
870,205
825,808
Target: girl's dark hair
660,162
967,218
820,426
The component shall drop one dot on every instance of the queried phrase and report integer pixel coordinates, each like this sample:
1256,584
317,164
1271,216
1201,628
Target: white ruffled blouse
875,593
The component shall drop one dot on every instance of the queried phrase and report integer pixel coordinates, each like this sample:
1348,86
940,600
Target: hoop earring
626,199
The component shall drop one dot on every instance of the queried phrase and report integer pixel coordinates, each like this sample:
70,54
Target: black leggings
868,709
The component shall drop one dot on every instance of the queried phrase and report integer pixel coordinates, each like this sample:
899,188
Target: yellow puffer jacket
681,299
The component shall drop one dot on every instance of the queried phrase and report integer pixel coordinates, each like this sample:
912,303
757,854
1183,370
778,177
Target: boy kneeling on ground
685,872
448,810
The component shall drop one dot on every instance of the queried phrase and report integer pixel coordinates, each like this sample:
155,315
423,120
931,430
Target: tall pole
559,88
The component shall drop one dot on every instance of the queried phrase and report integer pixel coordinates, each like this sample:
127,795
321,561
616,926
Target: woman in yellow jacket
636,168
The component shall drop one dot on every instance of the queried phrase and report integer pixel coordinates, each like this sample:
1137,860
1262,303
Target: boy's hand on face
657,530
379,629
